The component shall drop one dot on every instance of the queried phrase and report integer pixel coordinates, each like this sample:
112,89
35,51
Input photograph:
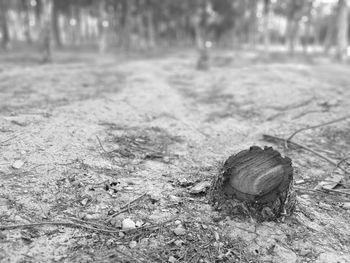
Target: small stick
126,207
269,137
316,126
323,191
86,222
9,139
99,141
68,224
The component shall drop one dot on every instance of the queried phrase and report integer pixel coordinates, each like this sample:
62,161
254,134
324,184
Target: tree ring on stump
256,182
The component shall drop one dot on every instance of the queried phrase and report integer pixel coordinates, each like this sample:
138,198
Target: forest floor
86,143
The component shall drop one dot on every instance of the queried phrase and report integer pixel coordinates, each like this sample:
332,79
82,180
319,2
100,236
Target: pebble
177,222
132,244
179,231
138,223
84,201
17,164
178,243
127,223
346,206
200,187
183,181
172,259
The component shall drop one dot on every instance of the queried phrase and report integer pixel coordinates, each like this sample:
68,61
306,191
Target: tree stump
257,183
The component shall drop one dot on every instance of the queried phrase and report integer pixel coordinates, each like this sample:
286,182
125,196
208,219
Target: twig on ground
100,143
274,138
88,223
56,223
316,126
125,207
7,140
322,191
340,162
76,225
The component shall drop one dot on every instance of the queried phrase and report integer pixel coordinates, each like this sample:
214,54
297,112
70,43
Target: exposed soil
95,134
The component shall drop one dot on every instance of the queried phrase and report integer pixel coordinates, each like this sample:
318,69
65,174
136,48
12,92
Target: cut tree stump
257,183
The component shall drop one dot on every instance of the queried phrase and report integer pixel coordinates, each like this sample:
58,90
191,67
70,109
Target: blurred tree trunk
102,42
27,29
342,25
292,24
55,24
266,25
201,24
46,29
151,41
330,33
307,36
5,41
126,23
252,24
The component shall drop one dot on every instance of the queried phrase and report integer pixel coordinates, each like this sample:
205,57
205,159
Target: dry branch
270,138
316,126
125,207
76,225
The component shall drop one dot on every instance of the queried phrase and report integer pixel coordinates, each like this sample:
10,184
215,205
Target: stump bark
257,183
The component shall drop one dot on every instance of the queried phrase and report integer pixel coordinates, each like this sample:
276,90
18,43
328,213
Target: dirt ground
93,141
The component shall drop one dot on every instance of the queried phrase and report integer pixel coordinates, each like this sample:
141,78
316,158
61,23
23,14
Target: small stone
132,244
172,259
201,187
144,241
346,206
17,164
128,224
138,223
178,243
121,234
179,231
304,252
183,182
217,237
177,222
84,201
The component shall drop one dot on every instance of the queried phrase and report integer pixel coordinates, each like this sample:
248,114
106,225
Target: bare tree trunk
342,24
307,36
126,23
55,25
5,42
27,31
292,24
46,30
330,34
266,25
103,24
252,23
150,25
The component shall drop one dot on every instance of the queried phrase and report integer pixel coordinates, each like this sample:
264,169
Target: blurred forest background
309,26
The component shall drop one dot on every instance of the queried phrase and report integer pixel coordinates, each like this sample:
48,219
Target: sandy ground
163,128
